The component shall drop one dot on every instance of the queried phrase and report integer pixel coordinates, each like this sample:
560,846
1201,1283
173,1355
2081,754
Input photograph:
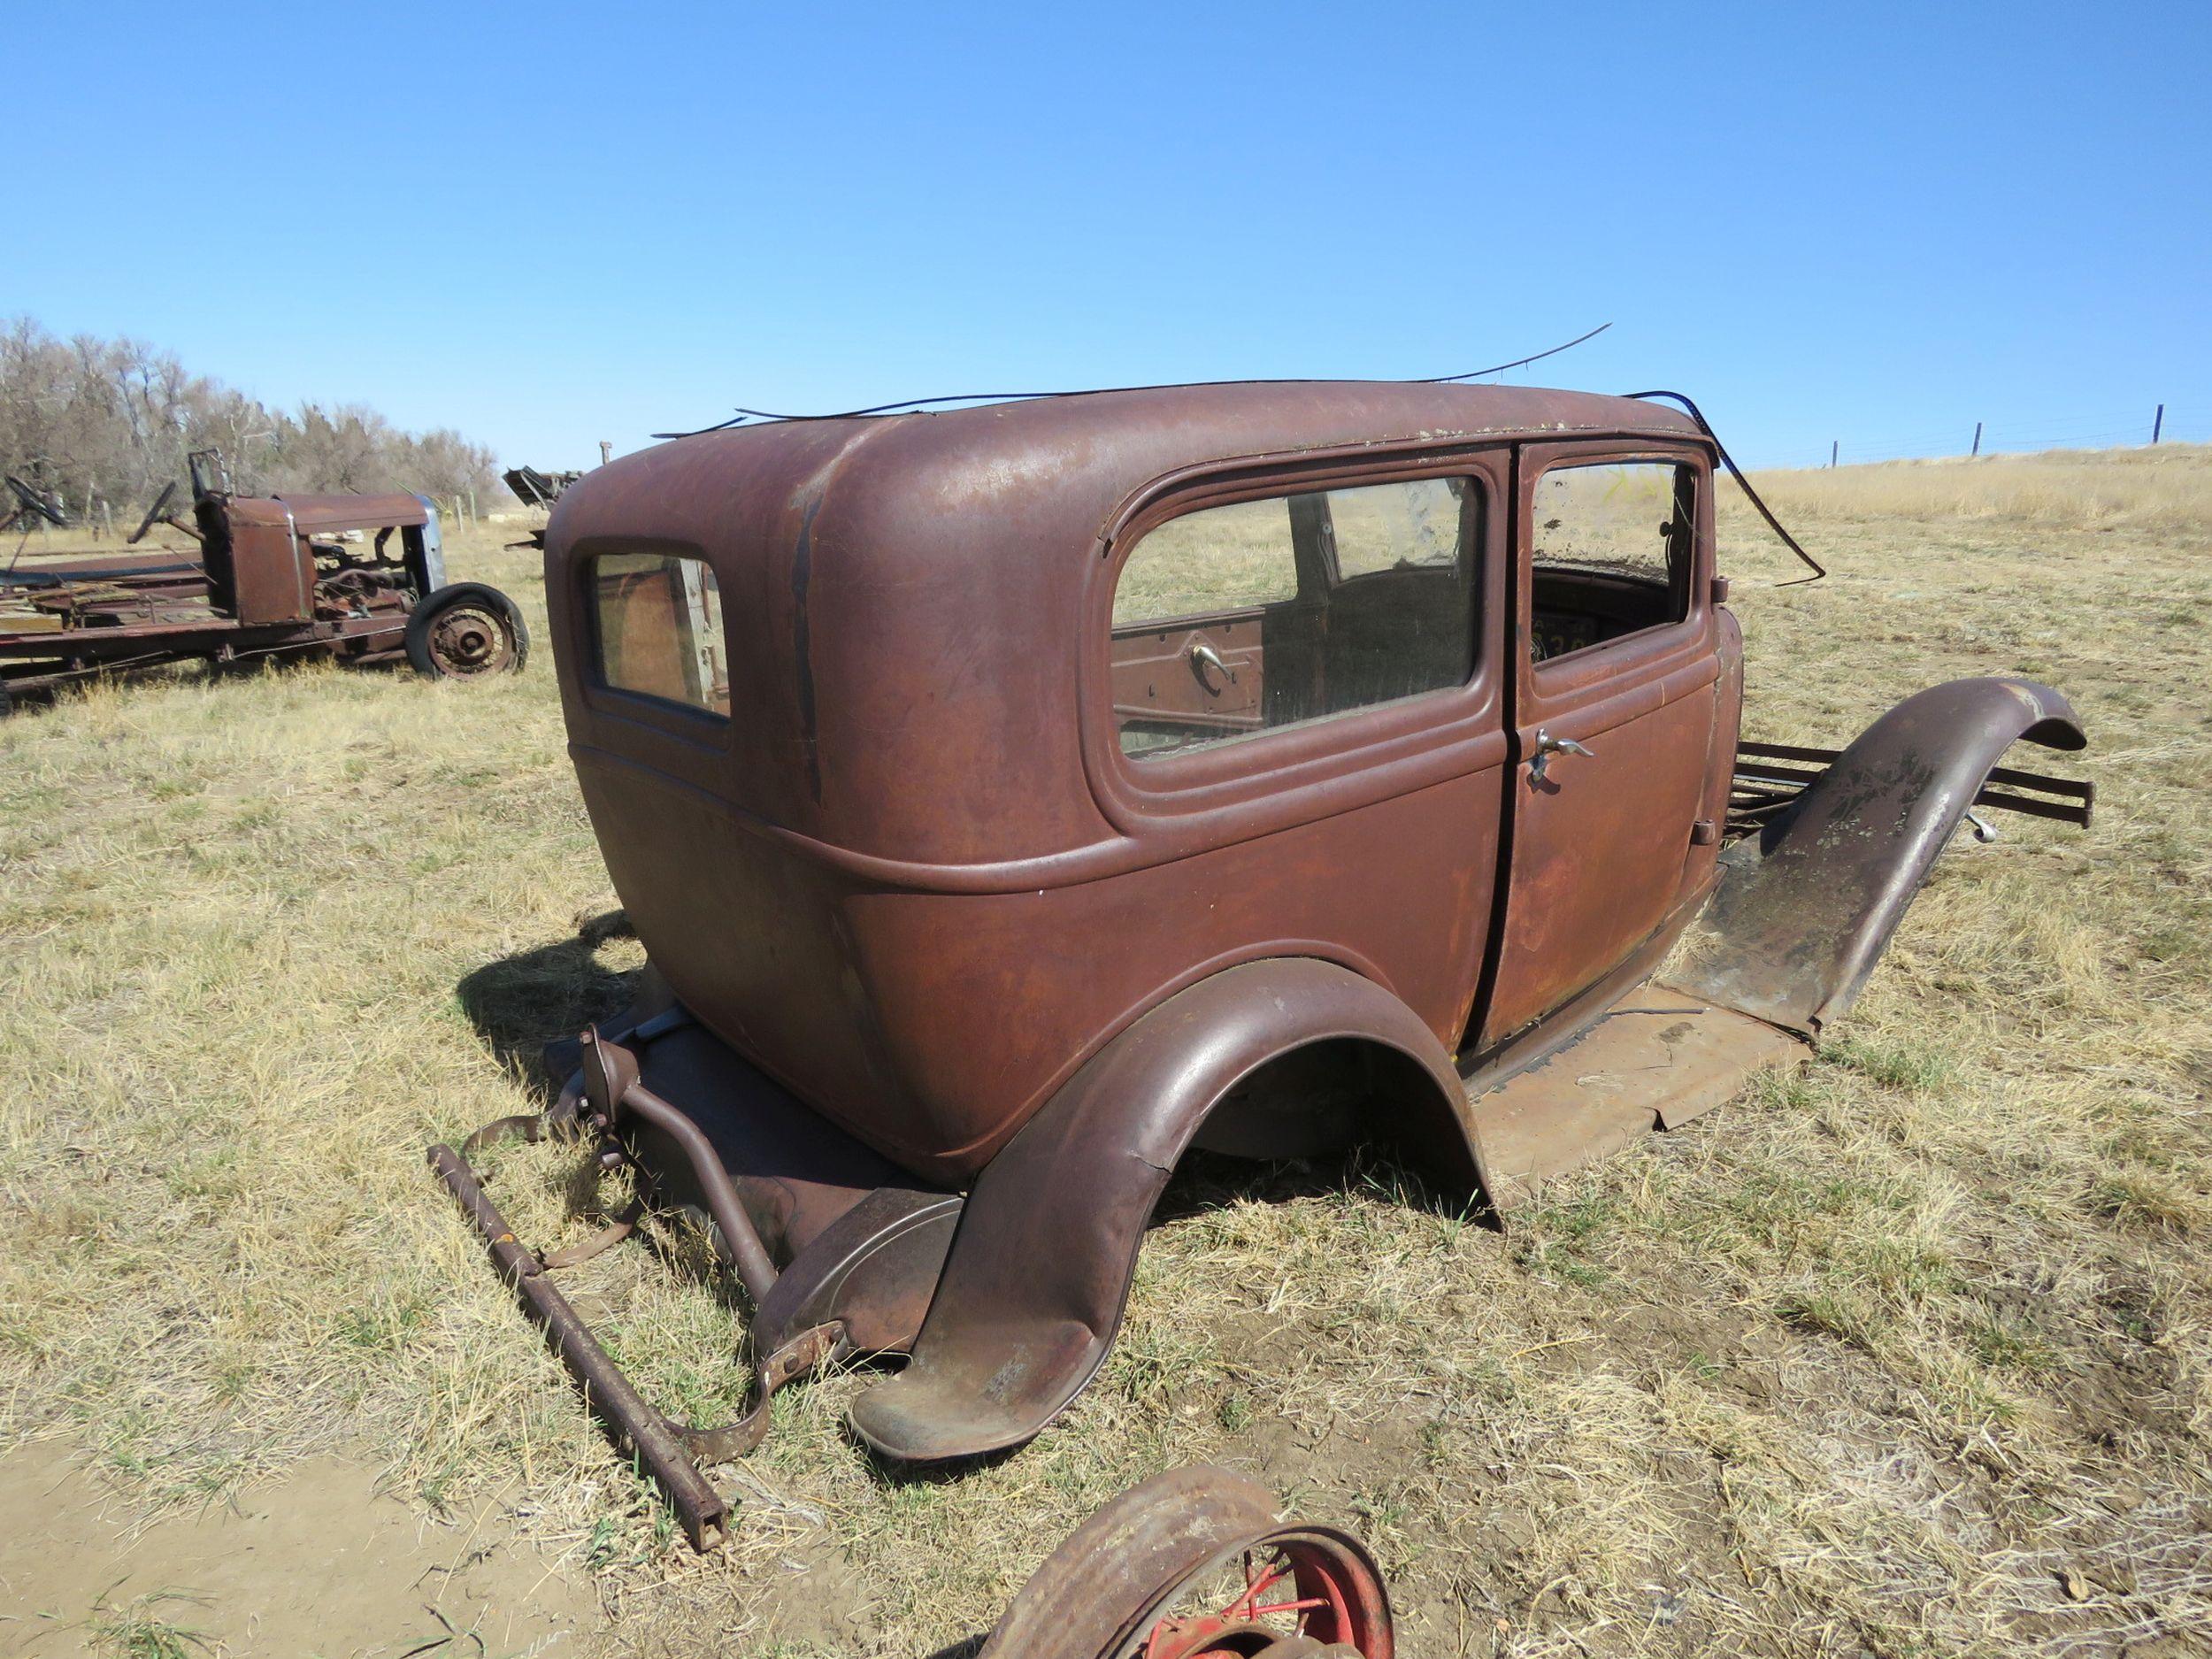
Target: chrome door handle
1547,746
1203,656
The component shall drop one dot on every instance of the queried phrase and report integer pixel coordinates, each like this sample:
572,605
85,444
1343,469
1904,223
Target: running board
1656,1061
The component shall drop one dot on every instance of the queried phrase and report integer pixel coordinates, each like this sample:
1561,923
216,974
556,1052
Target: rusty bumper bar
658,1443
859,1283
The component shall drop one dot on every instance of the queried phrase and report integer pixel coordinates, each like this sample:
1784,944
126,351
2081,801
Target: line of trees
104,424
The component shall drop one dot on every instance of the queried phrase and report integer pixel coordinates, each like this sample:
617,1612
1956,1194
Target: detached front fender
1033,1289
1806,908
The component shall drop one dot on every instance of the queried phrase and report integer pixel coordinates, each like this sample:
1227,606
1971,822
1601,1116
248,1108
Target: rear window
1235,621
657,620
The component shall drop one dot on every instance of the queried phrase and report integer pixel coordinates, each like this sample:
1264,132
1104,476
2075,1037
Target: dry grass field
1910,1355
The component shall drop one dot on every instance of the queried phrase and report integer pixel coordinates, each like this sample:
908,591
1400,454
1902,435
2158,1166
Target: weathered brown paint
1601,844
263,567
1033,1291
923,821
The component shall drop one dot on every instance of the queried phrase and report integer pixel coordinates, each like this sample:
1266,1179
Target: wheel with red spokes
1193,1564
1294,1591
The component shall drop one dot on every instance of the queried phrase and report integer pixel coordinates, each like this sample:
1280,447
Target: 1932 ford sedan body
1008,797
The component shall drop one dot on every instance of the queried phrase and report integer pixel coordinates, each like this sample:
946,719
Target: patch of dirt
319,1563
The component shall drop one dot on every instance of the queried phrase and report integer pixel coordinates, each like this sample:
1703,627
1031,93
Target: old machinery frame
361,578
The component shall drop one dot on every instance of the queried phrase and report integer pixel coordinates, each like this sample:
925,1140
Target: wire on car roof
743,415
1765,513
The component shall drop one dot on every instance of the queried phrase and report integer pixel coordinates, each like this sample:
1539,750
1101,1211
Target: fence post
1977,438
1833,445
2158,423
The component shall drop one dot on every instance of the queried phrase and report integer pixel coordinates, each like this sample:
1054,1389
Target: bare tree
112,420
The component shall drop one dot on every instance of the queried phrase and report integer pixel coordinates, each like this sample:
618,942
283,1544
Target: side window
1235,621
657,622
1613,551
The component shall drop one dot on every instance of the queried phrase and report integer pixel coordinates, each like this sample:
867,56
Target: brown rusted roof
1103,445
354,512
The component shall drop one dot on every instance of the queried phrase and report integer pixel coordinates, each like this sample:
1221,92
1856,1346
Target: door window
1235,621
1612,551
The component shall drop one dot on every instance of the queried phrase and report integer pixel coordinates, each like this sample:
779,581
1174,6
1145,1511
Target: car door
1613,716
1346,805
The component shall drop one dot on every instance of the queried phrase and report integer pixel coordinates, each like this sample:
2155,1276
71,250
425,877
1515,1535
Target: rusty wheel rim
467,640
1308,1592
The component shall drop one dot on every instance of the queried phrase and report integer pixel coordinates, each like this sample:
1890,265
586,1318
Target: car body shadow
528,1008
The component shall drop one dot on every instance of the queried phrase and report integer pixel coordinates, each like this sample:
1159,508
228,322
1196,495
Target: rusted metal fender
1034,1285
1091,1594
1806,908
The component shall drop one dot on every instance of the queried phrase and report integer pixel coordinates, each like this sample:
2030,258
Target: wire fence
2141,425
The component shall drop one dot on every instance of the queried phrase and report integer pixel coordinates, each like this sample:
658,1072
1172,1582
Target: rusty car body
1010,798
359,577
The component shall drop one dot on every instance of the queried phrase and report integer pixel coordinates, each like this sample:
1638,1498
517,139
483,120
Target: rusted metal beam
658,1443
1755,765
612,1084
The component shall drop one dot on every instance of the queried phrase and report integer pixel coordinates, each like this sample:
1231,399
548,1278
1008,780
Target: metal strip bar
1773,775
2033,808
2074,787
658,1442
2003,800
1787,751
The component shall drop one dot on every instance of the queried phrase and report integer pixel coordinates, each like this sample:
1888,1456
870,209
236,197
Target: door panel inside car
1203,674
1351,598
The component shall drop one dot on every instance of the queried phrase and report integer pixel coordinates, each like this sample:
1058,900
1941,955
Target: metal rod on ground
2158,423
1977,438
610,1393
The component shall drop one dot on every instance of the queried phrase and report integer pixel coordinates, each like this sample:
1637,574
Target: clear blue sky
547,225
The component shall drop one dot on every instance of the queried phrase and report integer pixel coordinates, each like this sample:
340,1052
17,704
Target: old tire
1137,1582
464,630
